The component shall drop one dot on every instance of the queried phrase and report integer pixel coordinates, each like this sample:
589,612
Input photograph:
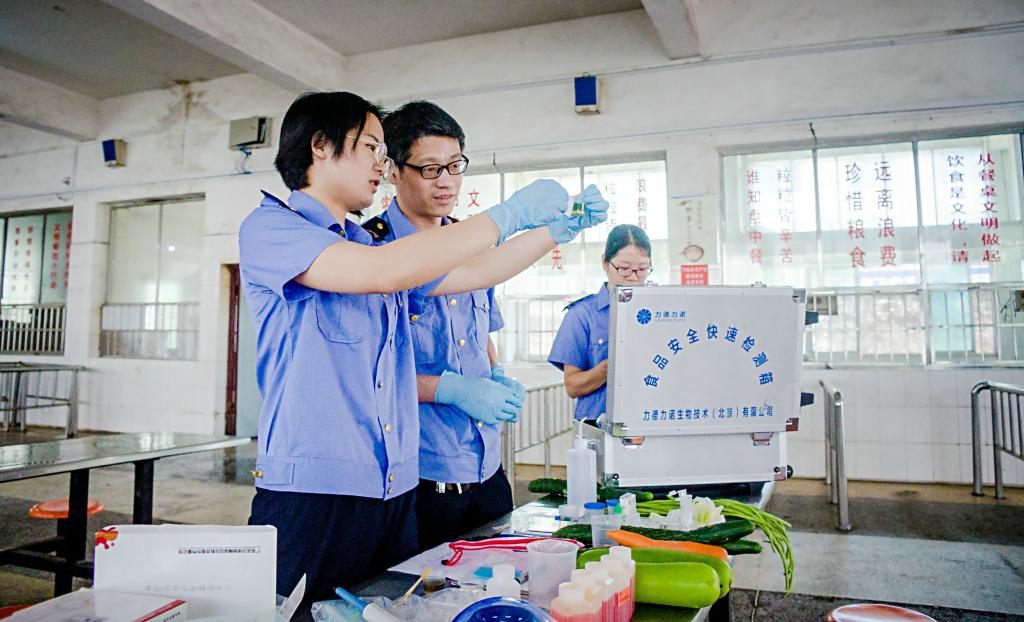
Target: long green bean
772,526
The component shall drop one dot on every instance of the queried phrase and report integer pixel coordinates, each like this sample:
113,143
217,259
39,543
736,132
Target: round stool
6,612
58,509
867,612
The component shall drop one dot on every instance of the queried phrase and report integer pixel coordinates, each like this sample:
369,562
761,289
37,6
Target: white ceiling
358,26
97,50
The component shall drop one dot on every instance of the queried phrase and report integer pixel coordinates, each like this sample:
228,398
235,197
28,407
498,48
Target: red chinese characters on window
989,221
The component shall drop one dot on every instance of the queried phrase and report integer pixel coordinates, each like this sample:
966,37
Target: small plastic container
602,581
591,510
503,583
613,506
568,512
572,606
601,525
551,563
625,556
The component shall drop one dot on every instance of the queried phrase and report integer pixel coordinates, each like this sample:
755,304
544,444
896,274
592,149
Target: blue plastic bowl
501,609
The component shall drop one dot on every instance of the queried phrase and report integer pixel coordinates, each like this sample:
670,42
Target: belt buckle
440,487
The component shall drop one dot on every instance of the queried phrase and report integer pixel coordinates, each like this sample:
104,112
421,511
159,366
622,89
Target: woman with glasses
337,464
580,349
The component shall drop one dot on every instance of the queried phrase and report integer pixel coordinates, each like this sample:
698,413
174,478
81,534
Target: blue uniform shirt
335,370
451,333
582,341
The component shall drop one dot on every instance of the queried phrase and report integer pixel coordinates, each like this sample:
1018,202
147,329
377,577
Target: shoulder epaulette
576,302
378,228
276,200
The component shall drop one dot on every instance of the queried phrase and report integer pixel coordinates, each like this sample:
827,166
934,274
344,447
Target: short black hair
324,117
413,121
622,236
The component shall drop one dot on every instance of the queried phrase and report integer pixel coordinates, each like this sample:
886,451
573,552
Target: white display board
704,360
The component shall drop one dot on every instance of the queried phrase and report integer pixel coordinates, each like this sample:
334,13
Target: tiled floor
935,548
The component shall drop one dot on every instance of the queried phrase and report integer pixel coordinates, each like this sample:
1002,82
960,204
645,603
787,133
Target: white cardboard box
89,604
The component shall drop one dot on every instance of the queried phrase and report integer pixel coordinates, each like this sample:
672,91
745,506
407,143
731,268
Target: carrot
635,540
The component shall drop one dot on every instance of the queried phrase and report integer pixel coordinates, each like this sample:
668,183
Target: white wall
770,71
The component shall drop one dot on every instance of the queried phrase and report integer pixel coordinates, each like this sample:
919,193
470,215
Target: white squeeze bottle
581,471
571,604
620,587
599,575
591,593
503,582
625,556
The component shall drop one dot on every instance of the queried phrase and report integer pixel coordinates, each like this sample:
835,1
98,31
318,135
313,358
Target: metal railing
27,386
954,324
835,454
547,413
1007,436
150,330
32,328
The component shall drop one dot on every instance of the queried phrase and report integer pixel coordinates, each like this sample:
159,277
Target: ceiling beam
676,23
248,35
31,102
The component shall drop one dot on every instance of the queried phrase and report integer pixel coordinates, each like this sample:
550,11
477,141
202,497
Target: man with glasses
463,391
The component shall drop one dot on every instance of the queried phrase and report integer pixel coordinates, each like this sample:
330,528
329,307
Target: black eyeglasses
433,171
626,270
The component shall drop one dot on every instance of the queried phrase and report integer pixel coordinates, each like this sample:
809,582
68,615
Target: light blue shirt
450,333
582,341
335,370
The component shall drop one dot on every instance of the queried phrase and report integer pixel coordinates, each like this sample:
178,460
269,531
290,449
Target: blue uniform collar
400,225
603,297
314,211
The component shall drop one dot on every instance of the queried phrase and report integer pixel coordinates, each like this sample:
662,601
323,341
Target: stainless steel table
65,553
538,518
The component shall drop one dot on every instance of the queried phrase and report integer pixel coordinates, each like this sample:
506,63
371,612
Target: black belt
444,487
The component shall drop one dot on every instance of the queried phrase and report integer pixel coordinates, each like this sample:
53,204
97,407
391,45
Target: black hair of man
413,121
323,119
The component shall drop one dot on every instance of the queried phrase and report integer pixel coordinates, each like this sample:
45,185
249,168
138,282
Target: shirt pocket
342,318
481,316
429,333
598,350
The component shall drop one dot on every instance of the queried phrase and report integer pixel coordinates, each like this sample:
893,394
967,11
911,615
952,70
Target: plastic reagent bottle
581,472
503,583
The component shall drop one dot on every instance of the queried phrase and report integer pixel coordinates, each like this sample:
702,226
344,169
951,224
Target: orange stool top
6,612
58,508
876,613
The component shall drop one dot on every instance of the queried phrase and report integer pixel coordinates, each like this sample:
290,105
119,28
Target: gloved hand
536,205
595,211
484,400
498,375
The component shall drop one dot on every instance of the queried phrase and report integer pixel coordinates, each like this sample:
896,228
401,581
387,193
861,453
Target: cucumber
742,547
549,486
720,534
604,493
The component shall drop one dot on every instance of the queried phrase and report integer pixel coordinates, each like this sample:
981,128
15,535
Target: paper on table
216,569
462,572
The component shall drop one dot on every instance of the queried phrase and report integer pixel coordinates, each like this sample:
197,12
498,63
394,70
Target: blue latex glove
595,211
542,202
498,375
482,399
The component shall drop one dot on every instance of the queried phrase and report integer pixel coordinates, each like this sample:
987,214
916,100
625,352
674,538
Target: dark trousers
445,517
335,540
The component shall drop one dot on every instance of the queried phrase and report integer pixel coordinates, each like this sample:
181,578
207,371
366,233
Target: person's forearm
586,382
426,388
498,264
492,352
402,264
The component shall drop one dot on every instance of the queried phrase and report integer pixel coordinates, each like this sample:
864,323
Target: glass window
23,259
56,259
868,205
971,209
155,253
133,266
181,252
477,194
770,226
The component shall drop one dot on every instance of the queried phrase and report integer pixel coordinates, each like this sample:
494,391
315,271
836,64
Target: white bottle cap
620,552
504,572
571,593
580,576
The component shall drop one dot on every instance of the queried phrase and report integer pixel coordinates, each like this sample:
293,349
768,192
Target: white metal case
703,382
